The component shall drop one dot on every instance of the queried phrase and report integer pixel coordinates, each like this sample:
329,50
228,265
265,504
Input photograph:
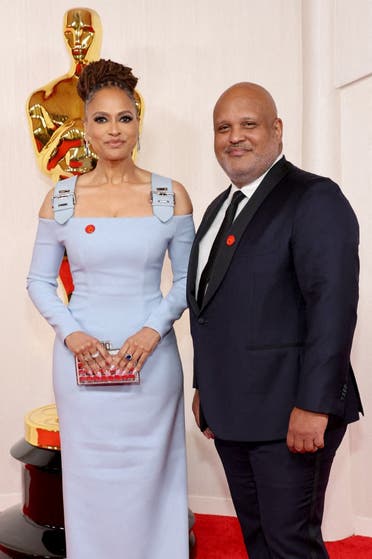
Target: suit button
343,392
202,320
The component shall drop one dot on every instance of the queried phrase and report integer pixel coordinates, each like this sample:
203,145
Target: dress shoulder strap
63,201
162,197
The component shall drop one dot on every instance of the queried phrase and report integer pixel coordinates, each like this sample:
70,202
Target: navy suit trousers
279,496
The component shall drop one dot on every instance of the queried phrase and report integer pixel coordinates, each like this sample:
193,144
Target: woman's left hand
136,349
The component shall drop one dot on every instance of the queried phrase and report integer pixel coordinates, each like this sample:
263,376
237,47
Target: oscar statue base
35,529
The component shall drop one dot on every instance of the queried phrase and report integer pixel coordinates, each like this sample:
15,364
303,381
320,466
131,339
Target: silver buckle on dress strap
162,197
63,198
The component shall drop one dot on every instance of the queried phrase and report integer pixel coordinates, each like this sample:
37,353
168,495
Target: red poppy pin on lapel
230,240
90,228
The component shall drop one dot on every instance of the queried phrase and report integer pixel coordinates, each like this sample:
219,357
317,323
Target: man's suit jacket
277,321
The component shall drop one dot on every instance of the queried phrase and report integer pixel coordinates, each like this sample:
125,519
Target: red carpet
219,537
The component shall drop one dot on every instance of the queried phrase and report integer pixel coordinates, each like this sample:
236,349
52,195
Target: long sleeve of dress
42,280
171,307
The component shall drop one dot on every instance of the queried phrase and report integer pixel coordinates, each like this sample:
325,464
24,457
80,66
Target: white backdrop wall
185,54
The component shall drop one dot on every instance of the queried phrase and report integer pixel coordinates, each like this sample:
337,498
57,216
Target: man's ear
278,128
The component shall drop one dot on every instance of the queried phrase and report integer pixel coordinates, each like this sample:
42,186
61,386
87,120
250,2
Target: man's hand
196,411
306,430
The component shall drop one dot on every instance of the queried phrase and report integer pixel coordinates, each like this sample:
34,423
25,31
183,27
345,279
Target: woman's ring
129,357
95,355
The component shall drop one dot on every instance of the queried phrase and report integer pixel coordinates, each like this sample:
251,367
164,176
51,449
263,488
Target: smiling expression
247,132
111,124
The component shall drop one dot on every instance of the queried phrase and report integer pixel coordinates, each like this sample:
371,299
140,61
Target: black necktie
225,226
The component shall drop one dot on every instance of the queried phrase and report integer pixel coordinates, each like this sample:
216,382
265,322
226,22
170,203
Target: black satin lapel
191,277
210,214
241,223
205,224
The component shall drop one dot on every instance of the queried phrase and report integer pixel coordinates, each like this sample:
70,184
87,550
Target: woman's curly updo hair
106,73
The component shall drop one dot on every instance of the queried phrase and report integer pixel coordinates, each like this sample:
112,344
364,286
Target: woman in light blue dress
123,448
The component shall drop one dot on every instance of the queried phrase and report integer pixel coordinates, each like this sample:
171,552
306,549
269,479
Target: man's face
247,133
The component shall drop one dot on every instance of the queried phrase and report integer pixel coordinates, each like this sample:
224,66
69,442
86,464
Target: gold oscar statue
56,112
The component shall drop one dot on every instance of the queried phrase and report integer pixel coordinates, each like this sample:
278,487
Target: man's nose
236,135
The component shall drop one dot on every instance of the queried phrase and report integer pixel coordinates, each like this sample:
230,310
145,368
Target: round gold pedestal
42,428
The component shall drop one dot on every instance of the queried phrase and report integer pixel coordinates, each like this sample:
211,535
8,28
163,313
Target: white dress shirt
207,241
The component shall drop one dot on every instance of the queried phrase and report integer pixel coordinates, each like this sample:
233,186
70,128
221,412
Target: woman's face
111,124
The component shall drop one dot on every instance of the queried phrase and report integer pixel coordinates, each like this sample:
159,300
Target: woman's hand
136,349
89,350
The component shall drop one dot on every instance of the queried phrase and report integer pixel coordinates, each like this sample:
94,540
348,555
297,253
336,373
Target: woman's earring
88,153
138,144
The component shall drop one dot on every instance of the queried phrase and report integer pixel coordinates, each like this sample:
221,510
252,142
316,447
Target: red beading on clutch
87,377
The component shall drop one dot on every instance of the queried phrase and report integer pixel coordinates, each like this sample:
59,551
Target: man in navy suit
273,291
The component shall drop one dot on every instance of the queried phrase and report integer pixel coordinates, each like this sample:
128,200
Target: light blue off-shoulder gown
123,448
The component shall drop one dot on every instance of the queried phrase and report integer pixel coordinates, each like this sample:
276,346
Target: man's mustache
237,146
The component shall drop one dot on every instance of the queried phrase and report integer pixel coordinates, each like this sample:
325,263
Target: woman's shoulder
183,203
46,210
64,187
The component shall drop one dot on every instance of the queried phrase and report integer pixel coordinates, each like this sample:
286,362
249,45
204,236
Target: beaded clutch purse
104,376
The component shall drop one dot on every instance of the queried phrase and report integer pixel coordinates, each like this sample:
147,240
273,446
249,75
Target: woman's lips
114,143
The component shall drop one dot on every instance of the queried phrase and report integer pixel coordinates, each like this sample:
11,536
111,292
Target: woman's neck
115,172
